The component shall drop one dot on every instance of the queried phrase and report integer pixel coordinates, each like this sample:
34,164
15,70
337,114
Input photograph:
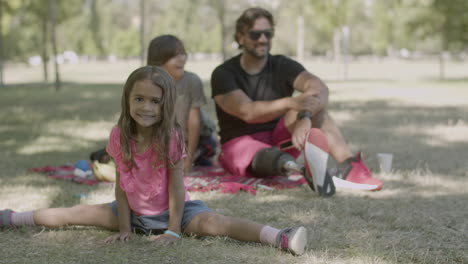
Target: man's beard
253,52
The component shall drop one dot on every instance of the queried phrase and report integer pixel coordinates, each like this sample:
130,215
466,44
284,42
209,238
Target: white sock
22,219
268,235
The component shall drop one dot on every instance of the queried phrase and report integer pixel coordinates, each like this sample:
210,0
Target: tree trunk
337,51
53,22
441,65
95,24
1,44
345,50
300,39
142,32
44,53
222,16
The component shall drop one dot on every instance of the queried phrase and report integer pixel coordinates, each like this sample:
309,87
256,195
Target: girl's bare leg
99,215
212,224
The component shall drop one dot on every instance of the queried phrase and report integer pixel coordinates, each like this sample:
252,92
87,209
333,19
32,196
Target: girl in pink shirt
148,149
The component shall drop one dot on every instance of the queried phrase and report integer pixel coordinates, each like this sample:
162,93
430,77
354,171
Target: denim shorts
156,224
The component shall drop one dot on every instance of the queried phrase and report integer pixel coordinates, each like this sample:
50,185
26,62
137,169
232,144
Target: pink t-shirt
146,187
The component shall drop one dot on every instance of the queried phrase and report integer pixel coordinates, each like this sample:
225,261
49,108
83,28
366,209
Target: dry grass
419,217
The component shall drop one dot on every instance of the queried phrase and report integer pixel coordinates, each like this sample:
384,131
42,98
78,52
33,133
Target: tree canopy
101,28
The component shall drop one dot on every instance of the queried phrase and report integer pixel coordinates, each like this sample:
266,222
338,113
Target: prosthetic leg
273,161
315,158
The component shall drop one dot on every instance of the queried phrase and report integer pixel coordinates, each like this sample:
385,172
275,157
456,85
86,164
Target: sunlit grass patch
418,217
31,198
51,144
81,130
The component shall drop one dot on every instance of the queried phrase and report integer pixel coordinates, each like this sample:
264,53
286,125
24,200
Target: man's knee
319,118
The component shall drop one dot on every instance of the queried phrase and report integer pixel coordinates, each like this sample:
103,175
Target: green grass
419,217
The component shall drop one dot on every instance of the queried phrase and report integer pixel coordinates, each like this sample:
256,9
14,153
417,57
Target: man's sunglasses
256,34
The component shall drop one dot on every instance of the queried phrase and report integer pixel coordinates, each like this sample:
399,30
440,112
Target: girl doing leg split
147,147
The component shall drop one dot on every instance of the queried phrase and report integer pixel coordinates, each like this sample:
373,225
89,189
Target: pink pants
237,154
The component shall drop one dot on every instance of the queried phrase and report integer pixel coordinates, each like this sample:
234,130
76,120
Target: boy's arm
193,125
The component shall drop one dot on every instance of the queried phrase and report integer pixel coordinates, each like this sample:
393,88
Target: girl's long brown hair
164,129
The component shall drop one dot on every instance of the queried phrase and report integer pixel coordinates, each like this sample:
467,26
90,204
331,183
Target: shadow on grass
29,113
404,222
409,132
376,126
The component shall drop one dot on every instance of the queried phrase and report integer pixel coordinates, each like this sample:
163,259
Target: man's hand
307,102
122,236
164,240
299,134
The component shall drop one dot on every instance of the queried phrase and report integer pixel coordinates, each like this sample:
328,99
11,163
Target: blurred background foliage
120,29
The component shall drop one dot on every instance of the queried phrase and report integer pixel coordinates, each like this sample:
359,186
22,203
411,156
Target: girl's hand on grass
124,237
165,240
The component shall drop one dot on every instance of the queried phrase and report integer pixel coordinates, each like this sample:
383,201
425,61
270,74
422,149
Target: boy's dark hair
163,48
247,19
100,155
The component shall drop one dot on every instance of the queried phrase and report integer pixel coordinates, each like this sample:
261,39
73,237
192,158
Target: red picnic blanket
201,179
65,172
210,178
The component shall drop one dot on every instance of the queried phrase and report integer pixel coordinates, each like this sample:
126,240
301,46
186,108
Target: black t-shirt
273,82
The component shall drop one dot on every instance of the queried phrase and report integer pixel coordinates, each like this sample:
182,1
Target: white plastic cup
385,162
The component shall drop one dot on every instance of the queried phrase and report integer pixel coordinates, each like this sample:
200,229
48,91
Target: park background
398,77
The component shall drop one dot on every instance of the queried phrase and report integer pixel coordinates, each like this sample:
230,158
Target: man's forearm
265,111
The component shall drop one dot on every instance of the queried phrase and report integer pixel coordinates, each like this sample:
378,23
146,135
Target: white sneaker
292,239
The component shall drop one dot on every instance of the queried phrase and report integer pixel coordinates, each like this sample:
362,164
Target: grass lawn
421,215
